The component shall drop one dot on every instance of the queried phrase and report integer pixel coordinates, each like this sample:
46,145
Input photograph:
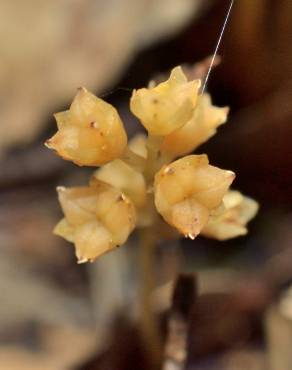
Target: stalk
149,324
153,157
134,160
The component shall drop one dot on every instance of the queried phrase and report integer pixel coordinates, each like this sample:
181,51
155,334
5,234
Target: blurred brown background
49,305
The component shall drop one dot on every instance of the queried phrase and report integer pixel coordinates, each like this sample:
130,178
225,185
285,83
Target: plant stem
134,160
149,325
153,157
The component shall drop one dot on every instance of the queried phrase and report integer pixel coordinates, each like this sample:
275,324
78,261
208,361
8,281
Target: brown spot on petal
169,170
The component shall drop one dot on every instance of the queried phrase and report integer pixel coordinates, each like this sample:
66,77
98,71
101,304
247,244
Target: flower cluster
141,183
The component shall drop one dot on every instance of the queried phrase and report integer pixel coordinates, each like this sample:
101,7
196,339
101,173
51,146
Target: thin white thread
217,46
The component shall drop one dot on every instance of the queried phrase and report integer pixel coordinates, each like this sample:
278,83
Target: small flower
197,130
125,178
90,133
167,106
97,219
130,181
188,190
232,221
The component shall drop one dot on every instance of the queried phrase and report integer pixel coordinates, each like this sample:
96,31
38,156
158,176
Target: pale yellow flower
188,190
125,178
167,106
90,133
232,221
197,130
97,219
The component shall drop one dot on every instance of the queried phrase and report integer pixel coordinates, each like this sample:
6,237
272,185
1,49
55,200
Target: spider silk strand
217,45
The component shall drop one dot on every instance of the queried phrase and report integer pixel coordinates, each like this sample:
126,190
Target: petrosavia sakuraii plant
150,182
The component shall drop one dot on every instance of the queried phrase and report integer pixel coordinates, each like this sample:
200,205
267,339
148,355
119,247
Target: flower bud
97,219
90,133
167,106
197,130
188,190
232,221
